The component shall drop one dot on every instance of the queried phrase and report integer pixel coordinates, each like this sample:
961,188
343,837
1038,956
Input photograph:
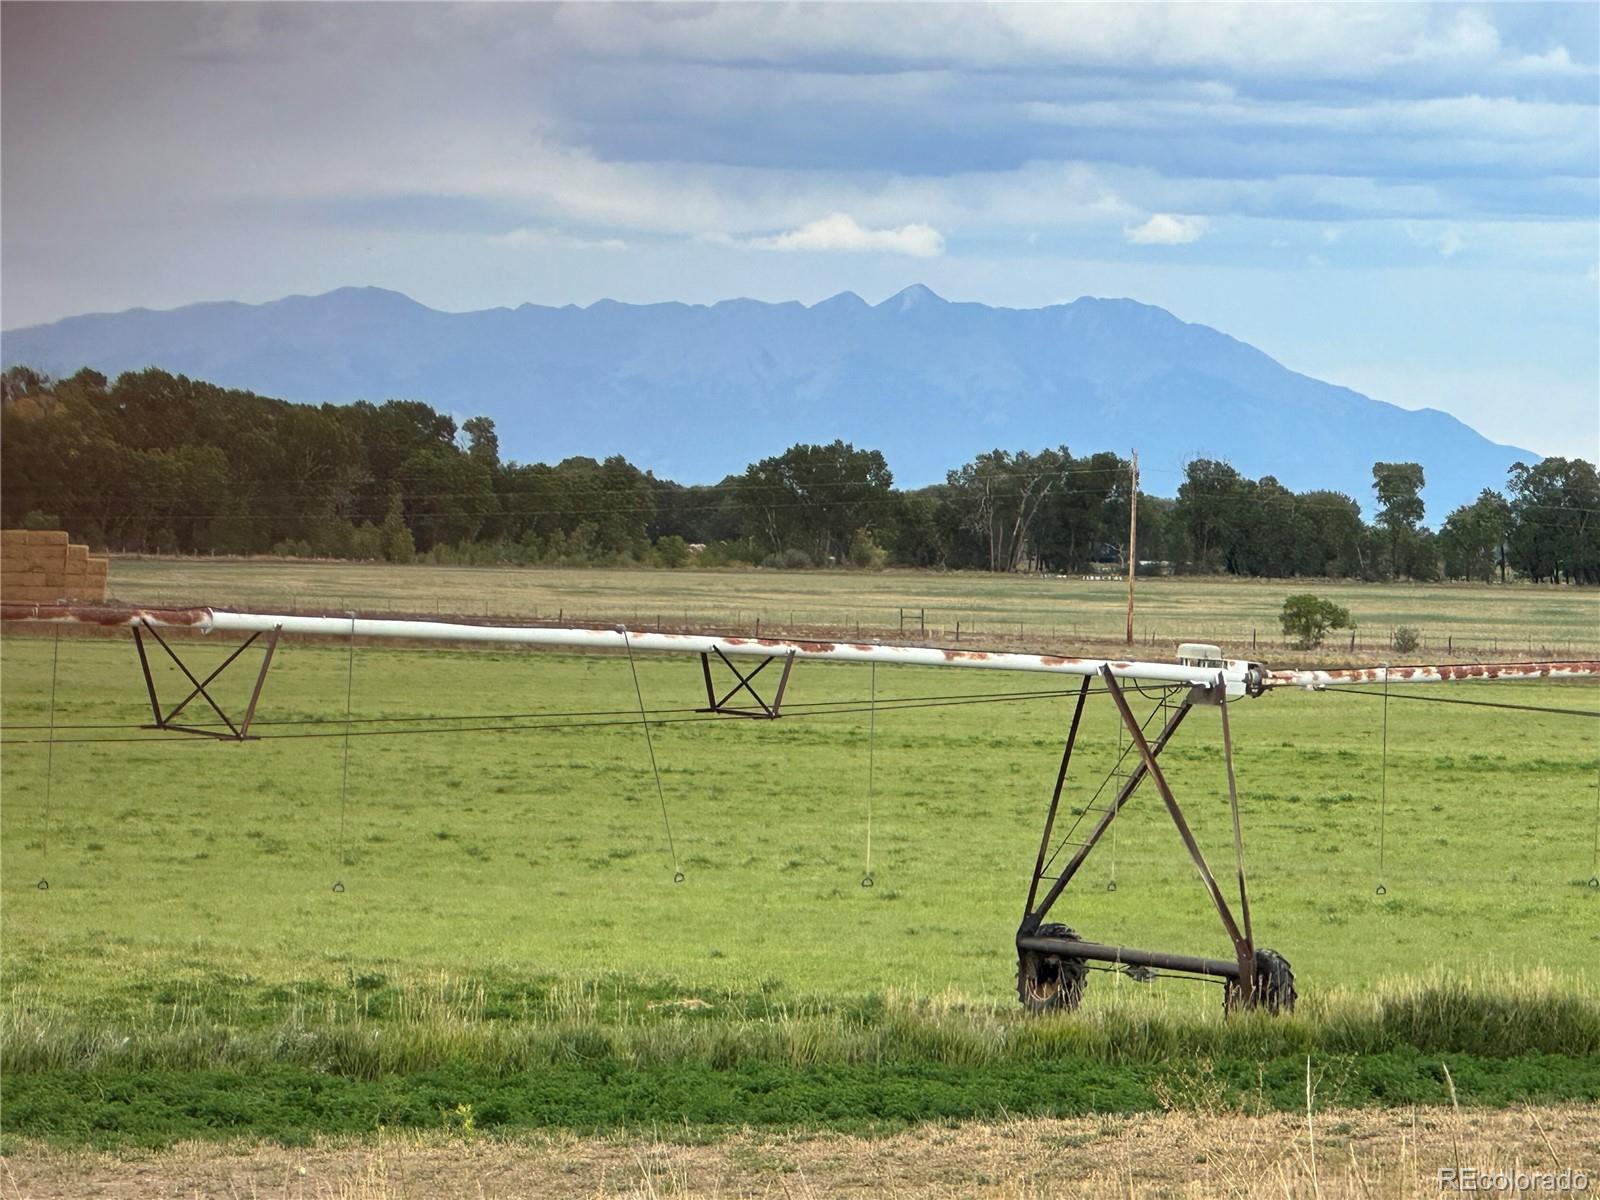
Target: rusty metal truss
167,720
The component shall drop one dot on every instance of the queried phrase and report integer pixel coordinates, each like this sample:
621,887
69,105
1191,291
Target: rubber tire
1050,982
1274,991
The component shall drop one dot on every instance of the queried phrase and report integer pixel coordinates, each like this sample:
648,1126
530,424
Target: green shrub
865,552
366,543
788,560
672,551
1307,619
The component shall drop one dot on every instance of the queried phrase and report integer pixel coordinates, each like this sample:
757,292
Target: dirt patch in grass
1367,1153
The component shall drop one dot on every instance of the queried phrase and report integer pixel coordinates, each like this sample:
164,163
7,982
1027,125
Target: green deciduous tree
1000,496
1400,508
1211,506
814,498
1307,618
1555,520
483,443
1472,541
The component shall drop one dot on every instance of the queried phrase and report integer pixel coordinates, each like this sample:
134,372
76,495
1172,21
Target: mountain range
695,392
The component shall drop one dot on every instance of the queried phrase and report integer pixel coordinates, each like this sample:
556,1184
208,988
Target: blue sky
1404,199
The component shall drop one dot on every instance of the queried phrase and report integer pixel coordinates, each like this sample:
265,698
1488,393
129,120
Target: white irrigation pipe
1434,673
1240,677
1236,675
686,643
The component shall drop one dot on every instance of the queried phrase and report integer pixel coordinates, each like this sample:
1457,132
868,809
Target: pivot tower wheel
1048,982
1274,988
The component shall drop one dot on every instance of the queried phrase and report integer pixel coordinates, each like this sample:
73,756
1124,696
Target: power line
559,722
1592,714
740,484
1232,504
790,706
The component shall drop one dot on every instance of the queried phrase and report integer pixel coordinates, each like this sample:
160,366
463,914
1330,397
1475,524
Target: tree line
155,462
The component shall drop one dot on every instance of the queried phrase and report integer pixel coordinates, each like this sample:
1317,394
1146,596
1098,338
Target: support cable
559,723
1383,784
1122,752
872,742
791,708
1115,772
1592,713
1594,862
644,724
344,763
50,760
794,709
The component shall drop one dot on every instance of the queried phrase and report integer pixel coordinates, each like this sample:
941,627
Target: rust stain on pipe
103,615
1438,673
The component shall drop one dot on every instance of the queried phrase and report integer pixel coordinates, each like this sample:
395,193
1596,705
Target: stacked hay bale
42,566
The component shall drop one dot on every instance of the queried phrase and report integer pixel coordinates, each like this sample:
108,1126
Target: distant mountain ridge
695,392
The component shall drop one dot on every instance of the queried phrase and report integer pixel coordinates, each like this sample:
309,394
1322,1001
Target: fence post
958,631
923,618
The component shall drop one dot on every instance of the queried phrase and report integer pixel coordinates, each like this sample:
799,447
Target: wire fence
944,625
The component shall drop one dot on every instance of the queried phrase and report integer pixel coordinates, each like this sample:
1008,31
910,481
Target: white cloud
1446,239
840,231
547,239
1260,40
1167,229
1483,129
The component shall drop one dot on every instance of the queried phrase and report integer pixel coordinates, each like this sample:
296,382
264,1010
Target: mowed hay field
1546,620
506,948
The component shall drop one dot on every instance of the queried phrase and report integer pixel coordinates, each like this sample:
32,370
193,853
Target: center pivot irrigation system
1053,960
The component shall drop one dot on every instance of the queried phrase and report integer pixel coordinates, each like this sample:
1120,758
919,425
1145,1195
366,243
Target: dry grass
1358,1153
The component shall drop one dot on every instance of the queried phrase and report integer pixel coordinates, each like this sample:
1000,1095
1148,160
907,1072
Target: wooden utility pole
1133,535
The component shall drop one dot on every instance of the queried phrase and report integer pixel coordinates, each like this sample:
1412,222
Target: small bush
1307,619
672,552
34,519
1407,638
740,553
366,543
788,560
865,552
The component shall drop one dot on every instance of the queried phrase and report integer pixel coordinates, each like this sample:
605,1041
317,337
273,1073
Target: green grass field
1546,619
509,935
